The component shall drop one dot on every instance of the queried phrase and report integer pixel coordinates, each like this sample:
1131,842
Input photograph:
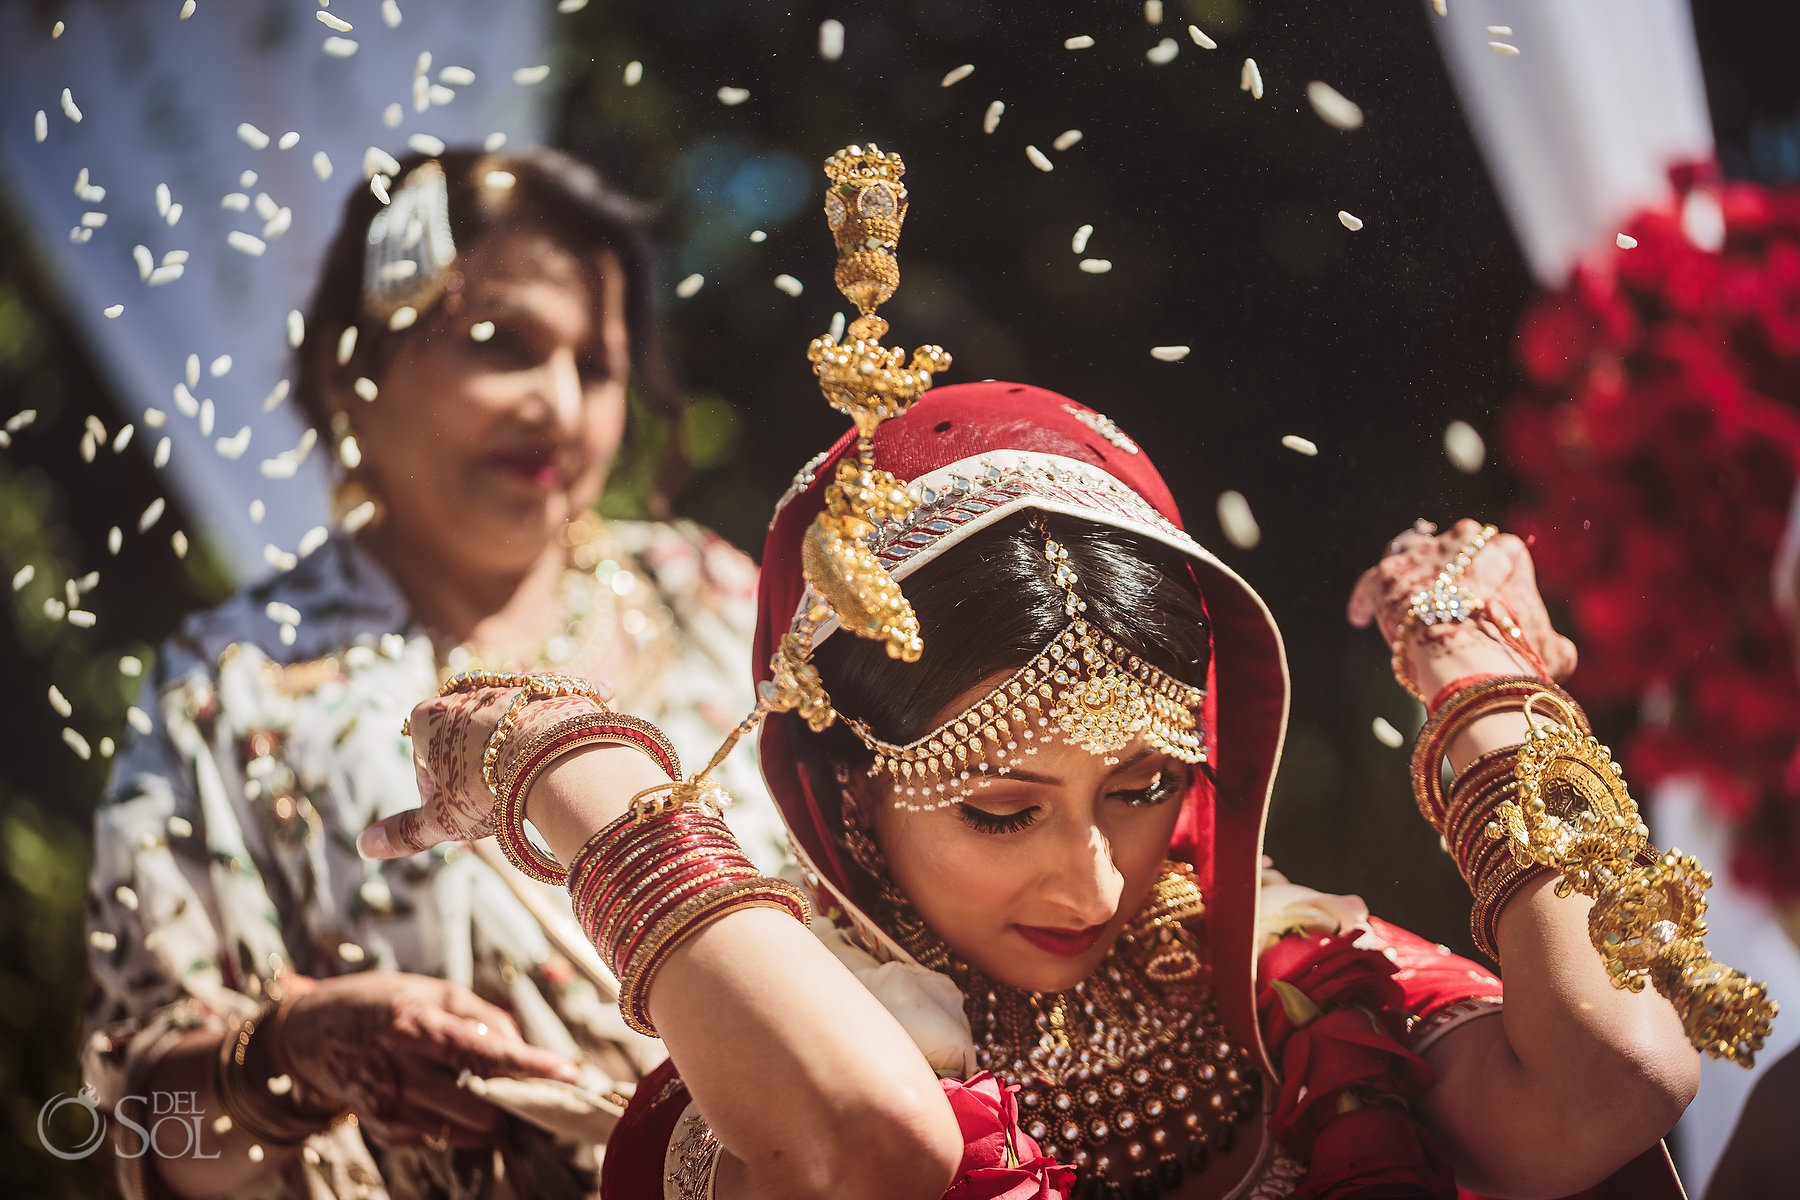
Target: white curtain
161,101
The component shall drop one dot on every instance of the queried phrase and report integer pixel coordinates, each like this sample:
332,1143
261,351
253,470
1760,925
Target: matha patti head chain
1082,687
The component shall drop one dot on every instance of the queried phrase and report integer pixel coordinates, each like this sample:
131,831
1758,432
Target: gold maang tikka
1082,687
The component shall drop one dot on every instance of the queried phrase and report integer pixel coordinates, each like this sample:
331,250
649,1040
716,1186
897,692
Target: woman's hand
449,735
390,1047
1501,575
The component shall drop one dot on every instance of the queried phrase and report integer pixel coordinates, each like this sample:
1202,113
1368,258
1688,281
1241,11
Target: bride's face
1032,878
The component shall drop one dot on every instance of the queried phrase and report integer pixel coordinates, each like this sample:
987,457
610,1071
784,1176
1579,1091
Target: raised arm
1577,1077
808,1084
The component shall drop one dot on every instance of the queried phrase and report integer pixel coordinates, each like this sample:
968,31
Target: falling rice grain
1078,42
403,318
219,366
359,516
1250,79
21,419
151,515
160,458
1333,107
258,510
481,331
456,76
956,76
174,215
296,328
836,329
1039,159
1079,242
339,47
1169,353
1625,241
206,418
334,23
634,73
321,165
530,76
88,447
81,618
1238,522
233,447
251,136
758,236
60,703
56,31
112,310
235,202
439,95
1464,447
122,439
1506,49
377,161
1300,445
23,576
139,720
570,6
187,9
68,106
99,938
1096,266
1066,140
278,558
831,40
365,388
246,243
392,115
378,185
499,179
1349,221
690,286
276,395
310,541
1500,30
424,143
93,220
40,126
990,120
178,542
165,274
1200,39
731,97
788,285
1153,12
146,262
493,141
1163,52
390,14
1386,734
1440,7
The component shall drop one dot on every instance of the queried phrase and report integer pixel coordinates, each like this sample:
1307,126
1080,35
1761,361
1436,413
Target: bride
1046,956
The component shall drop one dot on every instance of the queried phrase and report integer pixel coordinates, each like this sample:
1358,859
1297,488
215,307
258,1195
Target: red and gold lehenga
1302,1035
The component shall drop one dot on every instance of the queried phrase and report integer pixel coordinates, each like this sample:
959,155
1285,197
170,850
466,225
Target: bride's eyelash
983,821
1166,786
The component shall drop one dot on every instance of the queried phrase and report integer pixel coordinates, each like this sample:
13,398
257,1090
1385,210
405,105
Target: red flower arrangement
1660,442
1000,1161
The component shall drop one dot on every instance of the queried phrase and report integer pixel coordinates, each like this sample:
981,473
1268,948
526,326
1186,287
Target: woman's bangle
1456,712
255,1108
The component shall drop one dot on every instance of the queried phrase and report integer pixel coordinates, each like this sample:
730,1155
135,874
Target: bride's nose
1086,882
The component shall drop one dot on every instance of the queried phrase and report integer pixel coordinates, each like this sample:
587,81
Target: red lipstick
1064,943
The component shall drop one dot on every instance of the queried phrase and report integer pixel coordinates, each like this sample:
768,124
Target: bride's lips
536,467
1066,943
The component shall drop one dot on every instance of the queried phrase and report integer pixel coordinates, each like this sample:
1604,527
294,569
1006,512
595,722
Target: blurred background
1481,179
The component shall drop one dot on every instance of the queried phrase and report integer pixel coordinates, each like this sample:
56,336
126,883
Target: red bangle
1454,686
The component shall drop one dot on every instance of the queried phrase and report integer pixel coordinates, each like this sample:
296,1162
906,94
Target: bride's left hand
449,735
1501,574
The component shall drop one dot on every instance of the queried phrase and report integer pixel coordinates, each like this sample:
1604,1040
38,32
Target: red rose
988,1119
1376,1153
1343,1049
1332,973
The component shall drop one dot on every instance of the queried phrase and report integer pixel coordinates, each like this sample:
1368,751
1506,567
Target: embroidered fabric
692,1160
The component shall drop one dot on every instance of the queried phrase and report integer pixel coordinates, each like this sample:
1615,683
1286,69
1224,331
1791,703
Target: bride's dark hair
991,603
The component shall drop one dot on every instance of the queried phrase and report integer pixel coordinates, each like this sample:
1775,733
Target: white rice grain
440,95
69,108
1250,79
151,515
1163,52
276,395
359,516
1625,241
235,202
1169,353
339,47
456,76
233,447
310,541
1300,445
40,125
1349,221
174,216
1199,38
835,331
1038,159
155,418
530,76
187,9
207,412
1096,266
1079,242
424,143
788,285
112,310
1386,734
139,720
185,403
1464,447
321,165
100,939
160,459
365,389
392,115
296,328
378,185
278,558
146,262
258,510
493,141
377,161
1066,140
245,243
990,120
690,286
60,703
634,73
56,31
570,6
1080,41
219,366
954,77
55,609
390,14
165,274
251,136
1333,107
831,40
1153,12
122,439
175,258
481,331
1500,30
403,318
281,614
731,97
23,576
1440,7
334,23
93,220
499,179
1505,49
178,542
1238,522
346,345
758,236
21,419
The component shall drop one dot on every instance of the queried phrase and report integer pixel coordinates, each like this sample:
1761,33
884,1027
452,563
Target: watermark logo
167,1124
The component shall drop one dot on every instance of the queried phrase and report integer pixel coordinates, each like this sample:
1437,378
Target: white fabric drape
161,100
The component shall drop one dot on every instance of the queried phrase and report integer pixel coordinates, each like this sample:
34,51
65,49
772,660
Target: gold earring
1174,899
857,838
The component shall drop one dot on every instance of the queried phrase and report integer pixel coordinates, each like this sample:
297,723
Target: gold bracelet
535,687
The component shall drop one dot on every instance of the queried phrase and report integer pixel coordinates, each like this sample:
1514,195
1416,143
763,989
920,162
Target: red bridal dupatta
976,453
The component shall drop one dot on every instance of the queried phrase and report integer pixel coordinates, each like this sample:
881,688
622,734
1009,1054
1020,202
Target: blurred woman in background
470,348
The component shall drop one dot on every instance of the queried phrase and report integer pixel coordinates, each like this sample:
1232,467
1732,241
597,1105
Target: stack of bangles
651,880
255,1108
1487,865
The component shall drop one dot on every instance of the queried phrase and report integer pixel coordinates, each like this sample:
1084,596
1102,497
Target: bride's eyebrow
1025,775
